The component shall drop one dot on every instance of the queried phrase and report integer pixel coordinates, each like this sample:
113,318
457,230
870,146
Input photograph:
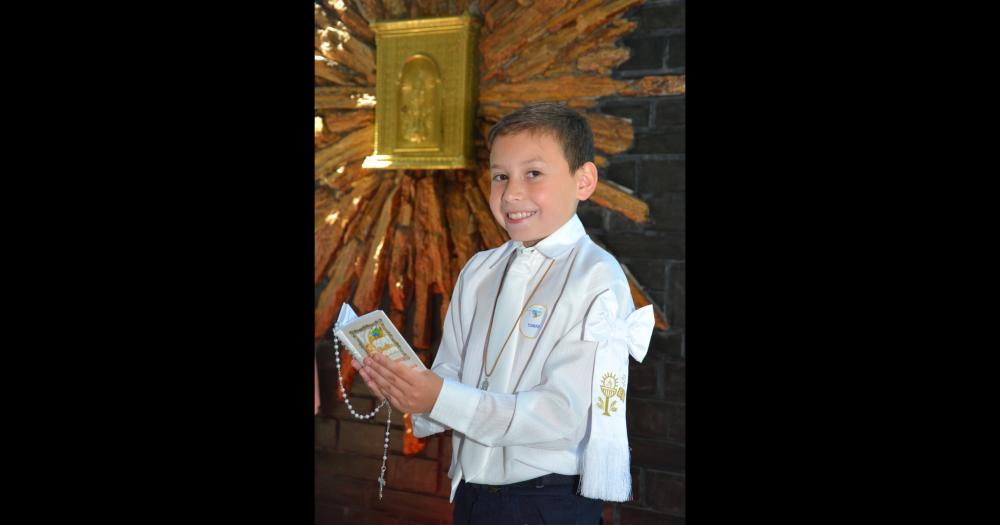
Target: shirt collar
559,241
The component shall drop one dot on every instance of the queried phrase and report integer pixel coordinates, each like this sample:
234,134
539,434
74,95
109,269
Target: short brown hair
569,127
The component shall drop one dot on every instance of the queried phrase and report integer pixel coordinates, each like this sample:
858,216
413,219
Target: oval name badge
532,321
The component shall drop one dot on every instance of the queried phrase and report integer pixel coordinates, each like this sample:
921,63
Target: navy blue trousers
551,505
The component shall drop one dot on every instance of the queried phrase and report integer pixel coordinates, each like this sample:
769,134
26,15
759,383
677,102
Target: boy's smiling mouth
517,216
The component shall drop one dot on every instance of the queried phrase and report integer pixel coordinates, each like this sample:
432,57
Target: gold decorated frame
425,93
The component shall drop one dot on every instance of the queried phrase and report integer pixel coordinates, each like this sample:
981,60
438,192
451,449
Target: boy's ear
586,181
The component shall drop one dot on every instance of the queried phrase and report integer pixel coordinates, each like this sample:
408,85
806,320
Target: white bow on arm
605,462
634,331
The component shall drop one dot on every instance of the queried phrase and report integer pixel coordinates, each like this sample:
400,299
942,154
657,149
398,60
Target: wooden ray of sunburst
396,240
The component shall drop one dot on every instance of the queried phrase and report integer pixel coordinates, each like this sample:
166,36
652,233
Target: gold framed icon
425,93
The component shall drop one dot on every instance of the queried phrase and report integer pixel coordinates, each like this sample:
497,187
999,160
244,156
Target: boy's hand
408,388
367,377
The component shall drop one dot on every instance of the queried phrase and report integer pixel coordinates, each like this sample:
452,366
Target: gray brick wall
654,169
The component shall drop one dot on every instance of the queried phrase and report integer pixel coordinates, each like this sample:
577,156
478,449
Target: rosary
388,419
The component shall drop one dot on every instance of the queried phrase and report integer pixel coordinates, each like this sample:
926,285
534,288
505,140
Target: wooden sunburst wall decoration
397,239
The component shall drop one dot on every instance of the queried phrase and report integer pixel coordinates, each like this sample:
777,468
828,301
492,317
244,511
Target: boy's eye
534,173
499,177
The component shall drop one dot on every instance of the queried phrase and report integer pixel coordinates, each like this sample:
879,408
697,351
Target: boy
532,366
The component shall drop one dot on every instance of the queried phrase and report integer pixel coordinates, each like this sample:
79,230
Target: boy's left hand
408,388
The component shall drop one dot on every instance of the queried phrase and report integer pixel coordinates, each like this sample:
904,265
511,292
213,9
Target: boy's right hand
408,388
364,375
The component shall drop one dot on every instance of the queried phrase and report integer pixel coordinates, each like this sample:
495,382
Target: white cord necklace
388,419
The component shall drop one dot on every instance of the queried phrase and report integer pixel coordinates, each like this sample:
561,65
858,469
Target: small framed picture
374,332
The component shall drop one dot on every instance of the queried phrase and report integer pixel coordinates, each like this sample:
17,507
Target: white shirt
534,415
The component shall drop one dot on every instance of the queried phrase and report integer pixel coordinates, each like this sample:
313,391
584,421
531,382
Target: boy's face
532,192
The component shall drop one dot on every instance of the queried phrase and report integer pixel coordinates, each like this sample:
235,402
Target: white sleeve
447,362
